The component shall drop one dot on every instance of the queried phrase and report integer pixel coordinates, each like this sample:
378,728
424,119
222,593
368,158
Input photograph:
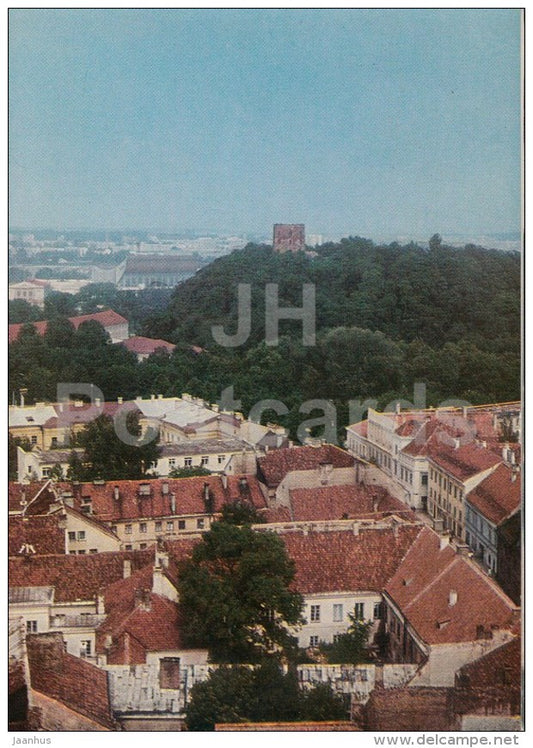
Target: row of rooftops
444,595
497,496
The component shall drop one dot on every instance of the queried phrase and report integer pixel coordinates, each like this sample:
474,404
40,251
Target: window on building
85,648
170,526
181,524
359,611
72,535
143,527
127,529
93,550
378,610
315,613
81,534
313,641
200,524
142,546
81,553
424,478
172,462
158,526
114,528
31,627
221,459
46,472
338,612
128,547
54,441
205,460
187,462
34,440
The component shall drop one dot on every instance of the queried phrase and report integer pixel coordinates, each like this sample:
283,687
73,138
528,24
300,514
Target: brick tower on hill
289,237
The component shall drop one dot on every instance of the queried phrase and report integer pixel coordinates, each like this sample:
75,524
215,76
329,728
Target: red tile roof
107,318
493,683
498,496
424,581
465,461
75,577
344,502
410,709
42,533
140,345
340,561
188,492
275,465
70,680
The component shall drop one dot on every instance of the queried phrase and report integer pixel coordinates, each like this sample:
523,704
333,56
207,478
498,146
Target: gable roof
74,682
275,465
498,495
465,461
107,318
492,681
42,533
344,502
75,578
445,596
339,561
163,497
145,346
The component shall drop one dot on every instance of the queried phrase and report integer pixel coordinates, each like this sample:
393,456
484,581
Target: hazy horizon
368,122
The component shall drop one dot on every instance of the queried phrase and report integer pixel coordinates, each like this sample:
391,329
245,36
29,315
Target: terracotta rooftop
498,495
492,683
116,500
70,680
339,561
145,346
42,533
344,502
444,596
75,577
107,318
464,461
410,709
275,465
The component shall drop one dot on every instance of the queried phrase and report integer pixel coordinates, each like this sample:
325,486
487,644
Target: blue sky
369,122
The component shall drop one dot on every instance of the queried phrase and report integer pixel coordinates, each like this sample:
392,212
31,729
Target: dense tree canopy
263,694
111,455
236,595
386,318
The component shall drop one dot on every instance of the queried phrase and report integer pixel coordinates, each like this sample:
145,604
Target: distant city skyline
370,122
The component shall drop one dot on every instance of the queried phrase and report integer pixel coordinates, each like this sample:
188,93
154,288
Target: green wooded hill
387,317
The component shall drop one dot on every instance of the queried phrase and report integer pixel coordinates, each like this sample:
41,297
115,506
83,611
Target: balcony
83,620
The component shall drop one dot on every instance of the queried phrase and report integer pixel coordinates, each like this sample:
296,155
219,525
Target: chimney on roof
224,479
514,473
173,503
160,397
100,603
116,493
142,599
120,400
444,541
126,568
97,402
397,408
465,412
164,488
152,397
452,598
355,529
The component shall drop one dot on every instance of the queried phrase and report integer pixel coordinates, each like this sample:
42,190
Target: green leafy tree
241,512
188,472
237,597
261,694
350,647
109,457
